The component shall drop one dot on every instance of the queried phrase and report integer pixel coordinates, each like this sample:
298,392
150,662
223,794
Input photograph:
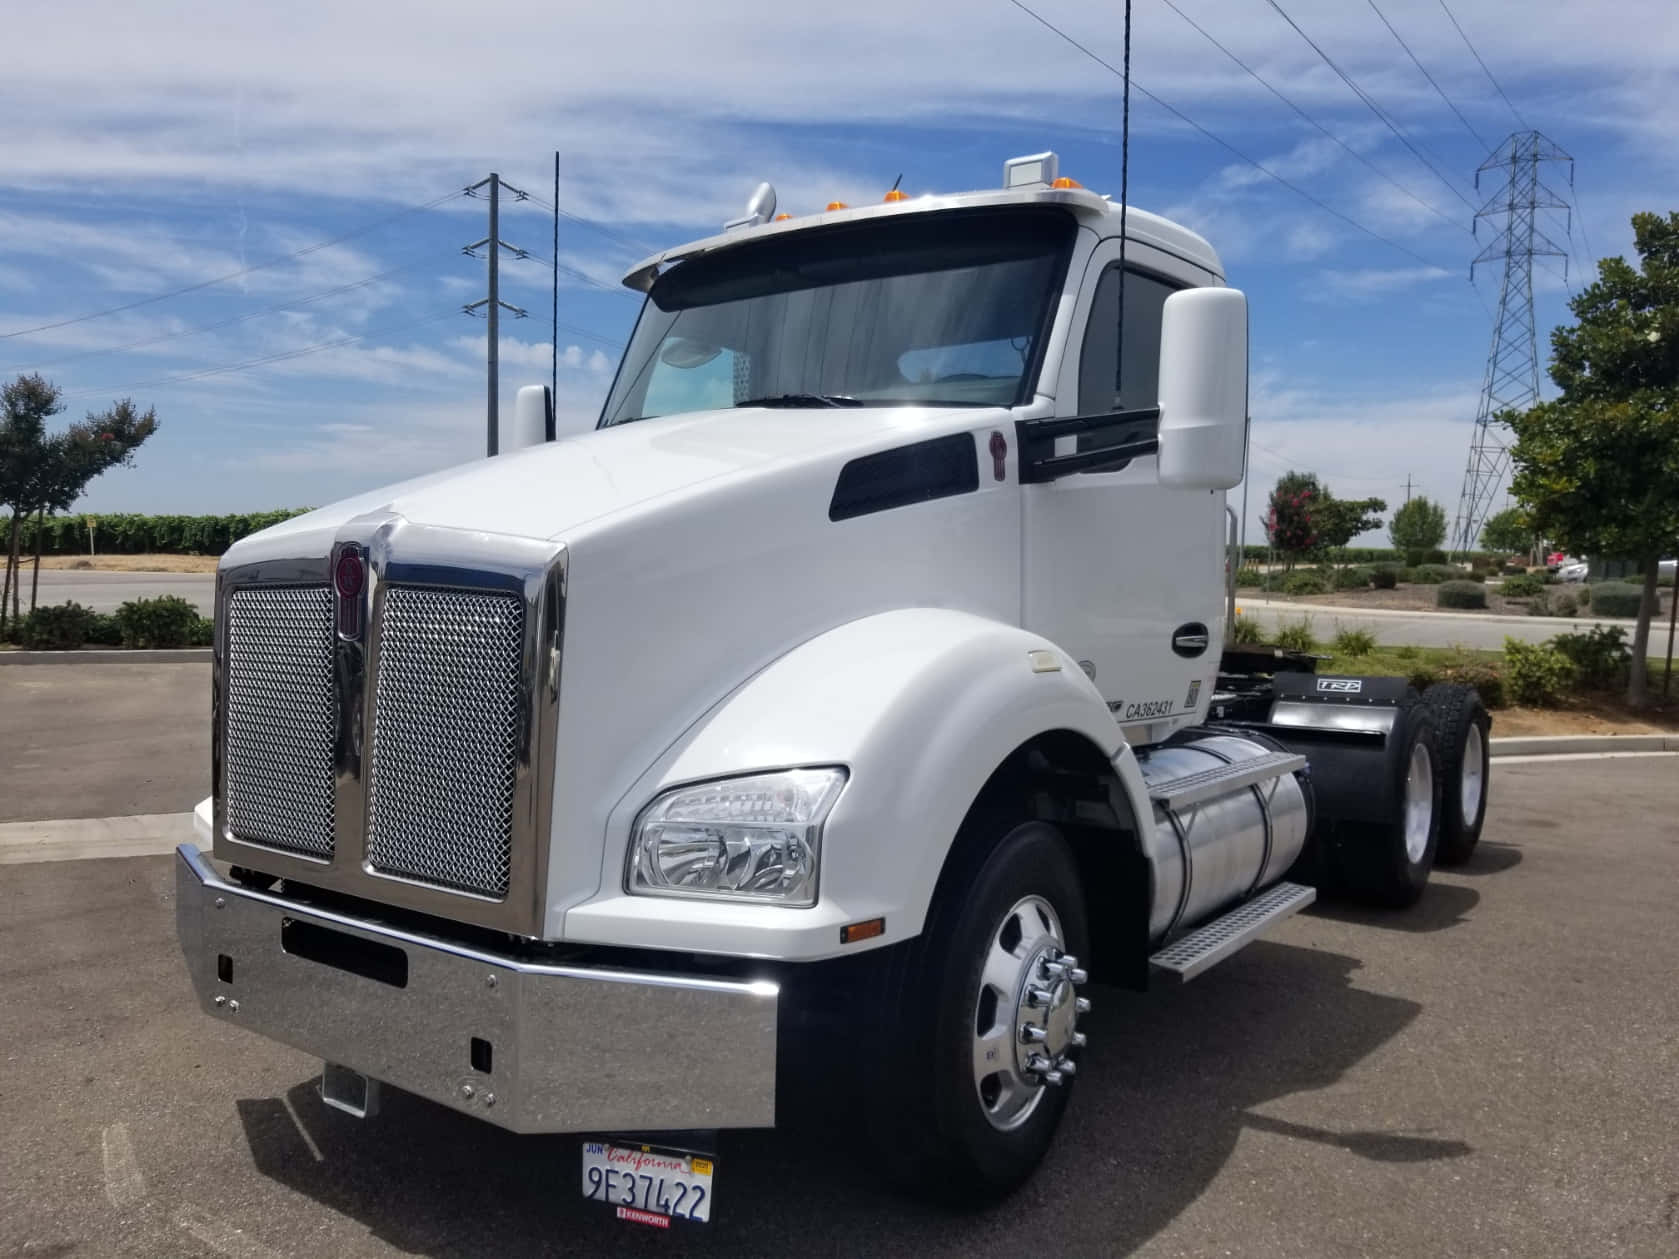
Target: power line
1467,125
1483,65
1219,140
1257,77
234,275
224,323
1368,100
593,225
280,357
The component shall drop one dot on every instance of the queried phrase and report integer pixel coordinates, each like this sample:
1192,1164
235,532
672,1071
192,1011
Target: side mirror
533,419
1204,389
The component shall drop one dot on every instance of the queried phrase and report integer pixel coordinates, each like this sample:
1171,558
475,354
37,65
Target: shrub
1616,599
1352,579
1514,570
130,533
1384,577
1461,594
1352,642
1599,655
60,628
1584,596
1304,582
1522,587
1249,577
1554,603
1408,576
1434,574
1466,670
1296,635
1245,629
1416,557
1435,557
103,630
1407,652
167,621
1536,673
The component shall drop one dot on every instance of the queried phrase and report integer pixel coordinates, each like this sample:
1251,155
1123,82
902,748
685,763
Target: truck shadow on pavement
1170,1081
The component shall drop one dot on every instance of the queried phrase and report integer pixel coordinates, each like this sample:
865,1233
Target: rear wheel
981,1011
1465,753
1387,862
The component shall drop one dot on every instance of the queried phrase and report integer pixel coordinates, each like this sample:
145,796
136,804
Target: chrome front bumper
569,1049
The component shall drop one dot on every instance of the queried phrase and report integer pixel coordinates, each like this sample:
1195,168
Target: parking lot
1495,1072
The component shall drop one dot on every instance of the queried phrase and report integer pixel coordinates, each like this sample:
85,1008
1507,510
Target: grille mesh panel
445,737
280,718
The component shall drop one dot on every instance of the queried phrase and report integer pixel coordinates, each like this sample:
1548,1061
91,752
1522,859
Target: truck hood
552,490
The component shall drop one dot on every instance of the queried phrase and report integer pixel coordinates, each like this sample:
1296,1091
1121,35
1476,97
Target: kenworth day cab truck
859,681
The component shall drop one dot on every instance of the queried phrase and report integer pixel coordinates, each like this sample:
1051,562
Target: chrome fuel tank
1220,850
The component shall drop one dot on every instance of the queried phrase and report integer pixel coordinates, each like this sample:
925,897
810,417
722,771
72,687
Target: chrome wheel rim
1474,775
1025,1014
1419,803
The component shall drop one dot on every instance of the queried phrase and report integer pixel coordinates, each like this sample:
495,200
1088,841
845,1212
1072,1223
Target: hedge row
1367,555
167,621
128,533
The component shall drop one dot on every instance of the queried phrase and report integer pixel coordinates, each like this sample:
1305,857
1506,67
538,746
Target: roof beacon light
1022,172
1064,182
759,209
837,205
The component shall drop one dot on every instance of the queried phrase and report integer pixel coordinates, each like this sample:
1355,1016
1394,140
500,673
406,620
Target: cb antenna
1124,205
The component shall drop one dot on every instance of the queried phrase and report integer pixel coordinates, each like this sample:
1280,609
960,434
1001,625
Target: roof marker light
894,194
837,205
778,218
1064,182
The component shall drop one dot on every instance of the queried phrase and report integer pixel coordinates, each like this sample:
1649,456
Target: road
1431,629
105,592
1493,1072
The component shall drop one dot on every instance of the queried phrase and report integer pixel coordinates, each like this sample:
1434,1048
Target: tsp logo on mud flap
1344,686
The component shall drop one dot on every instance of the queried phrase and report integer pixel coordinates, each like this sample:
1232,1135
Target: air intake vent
278,764
446,737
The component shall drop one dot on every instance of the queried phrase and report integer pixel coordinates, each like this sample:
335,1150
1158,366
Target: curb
1342,609
114,655
1562,744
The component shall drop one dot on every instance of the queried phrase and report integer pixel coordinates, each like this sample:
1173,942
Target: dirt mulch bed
1591,714
130,563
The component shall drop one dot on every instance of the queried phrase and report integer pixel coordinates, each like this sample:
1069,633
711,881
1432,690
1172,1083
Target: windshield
929,309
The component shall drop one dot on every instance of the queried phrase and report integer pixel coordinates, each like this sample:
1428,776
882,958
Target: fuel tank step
1210,944
1179,793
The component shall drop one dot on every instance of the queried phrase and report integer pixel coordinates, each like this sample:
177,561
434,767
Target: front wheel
983,1011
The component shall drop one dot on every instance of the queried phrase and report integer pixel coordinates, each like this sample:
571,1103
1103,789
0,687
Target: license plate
649,1185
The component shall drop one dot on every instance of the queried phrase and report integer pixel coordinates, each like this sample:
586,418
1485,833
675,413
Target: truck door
1120,572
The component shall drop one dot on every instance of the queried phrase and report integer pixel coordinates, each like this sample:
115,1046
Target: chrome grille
446,737
280,714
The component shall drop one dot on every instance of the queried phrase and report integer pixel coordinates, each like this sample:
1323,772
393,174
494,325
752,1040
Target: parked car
1572,570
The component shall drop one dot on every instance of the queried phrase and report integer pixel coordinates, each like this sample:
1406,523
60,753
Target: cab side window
1139,378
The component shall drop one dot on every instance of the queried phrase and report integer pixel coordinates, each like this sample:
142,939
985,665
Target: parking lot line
124,1185
74,839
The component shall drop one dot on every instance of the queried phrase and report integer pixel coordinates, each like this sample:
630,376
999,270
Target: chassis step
1210,944
1179,793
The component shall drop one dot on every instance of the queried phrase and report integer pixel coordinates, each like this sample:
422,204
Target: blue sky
153,147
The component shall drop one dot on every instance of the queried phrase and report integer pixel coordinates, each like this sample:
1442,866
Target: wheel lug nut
1076,976
1037,998
1078,1040
1067,959
1032,1034
1052,1077
1081,1005
1037,1064
1066,1066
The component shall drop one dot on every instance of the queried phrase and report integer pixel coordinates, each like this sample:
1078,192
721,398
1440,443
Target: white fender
920,706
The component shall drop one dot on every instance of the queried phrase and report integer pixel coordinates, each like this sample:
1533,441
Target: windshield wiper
803,400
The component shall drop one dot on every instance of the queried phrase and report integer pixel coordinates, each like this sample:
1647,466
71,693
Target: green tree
42,471
1507,531
1419,525
1288,518
1597,468
1340,520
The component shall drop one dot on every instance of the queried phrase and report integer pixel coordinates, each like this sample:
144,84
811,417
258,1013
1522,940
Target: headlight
755,838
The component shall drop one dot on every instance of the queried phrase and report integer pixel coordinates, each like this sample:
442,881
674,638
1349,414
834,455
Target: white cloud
1367,283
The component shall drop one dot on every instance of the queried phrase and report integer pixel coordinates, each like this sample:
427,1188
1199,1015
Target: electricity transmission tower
1512,379
493,305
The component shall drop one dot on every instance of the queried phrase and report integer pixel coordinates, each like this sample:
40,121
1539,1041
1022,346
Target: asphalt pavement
1494,1072
1429,629
106,592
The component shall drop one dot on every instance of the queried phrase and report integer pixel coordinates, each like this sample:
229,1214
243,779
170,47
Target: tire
929,1118
1465,762
1387,862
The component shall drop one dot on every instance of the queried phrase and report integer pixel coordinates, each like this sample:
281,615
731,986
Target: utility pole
1407,487
1512,379
493,305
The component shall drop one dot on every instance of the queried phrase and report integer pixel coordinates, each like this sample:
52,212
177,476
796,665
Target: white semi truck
860,680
